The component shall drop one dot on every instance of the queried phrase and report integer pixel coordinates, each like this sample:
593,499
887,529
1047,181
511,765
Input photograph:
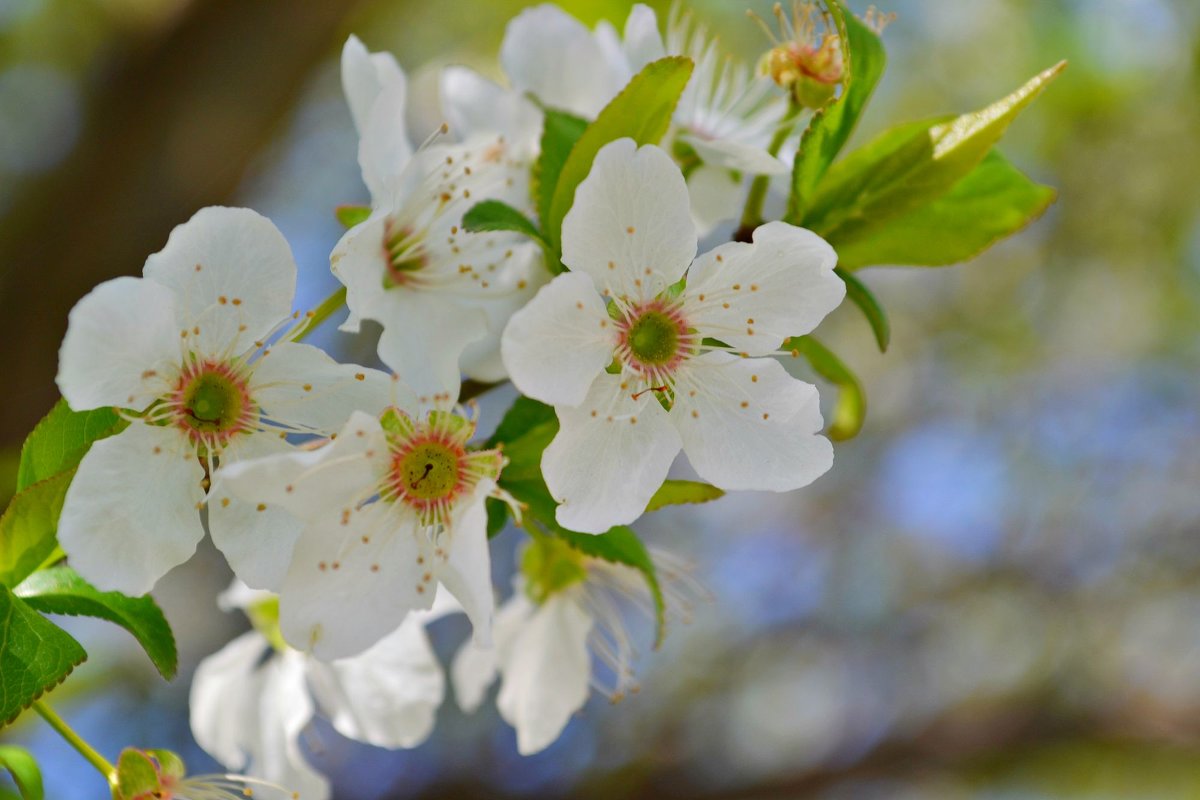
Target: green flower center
214,402
654,338
429,471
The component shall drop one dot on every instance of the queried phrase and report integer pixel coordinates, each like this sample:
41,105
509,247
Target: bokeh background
994,594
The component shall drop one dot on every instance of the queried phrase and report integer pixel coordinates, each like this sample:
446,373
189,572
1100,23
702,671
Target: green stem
321,313
75,740
752,214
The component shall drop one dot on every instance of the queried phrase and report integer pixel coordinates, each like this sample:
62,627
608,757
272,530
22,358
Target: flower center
654,339
212,402
429,471
405,253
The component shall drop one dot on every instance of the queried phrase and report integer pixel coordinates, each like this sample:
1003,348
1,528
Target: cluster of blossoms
352,503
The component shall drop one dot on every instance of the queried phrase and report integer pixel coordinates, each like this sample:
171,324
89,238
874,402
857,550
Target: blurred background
994,593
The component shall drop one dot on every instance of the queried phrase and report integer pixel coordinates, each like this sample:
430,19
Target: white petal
388,695
351,584
772,443
631,225
286,709
224,700
131,513
309,483
474,667
256,543
384,150
424,336
298,385
546,674
358,261
121,330
643,42
735,155
555,347
781,285
610,456
233,276
240,597
525,274
364,76
473,104
555,57
467,569
716,195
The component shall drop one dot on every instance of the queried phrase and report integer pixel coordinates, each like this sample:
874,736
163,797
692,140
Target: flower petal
223,704
546,673
358,261
467,568
610,456
353,579
556,345
631,225
364,76
735,155
388,695
552,55
747,424
716,197
643,42
473,104
753,296
474,667
299,386
122,330
424,336
285,709
233,276
384,151
132,510
257,543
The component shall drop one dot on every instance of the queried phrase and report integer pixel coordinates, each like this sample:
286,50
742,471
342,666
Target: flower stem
321,313
64,730
752,214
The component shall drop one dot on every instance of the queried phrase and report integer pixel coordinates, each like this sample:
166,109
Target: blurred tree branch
171,128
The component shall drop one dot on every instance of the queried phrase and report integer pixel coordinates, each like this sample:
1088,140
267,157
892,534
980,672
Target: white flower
436,289
564,610
185,354
742,420
390,509
251,701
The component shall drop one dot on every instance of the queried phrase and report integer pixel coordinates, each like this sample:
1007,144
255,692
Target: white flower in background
724,120
742,420
251,702
442,295
565,612
391,508
185,354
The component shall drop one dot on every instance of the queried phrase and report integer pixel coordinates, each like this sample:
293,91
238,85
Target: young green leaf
993,202
137,776
28,527
673,493
494,215
910,166
560,132
864,61
861,296
35,655
642,111
497,515
350,216
60,590
61,439
24,771
851,408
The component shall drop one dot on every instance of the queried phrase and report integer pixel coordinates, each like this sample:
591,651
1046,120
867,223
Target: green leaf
493,215
24,770
60,440
60,590
910,166
642,111
350,216
560,132
35,655
673,493
497,516
28,527
137,775
993,202
862,297
864,61
851,408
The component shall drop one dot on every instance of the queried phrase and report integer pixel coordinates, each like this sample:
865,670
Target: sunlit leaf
24,771
35,655
673,493
850,411
858,293
61,439
350,216
28,527
560,132
493,215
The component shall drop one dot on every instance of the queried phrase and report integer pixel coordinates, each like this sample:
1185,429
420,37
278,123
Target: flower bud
806,58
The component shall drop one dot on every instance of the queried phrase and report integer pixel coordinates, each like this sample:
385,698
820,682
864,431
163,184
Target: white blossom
742,420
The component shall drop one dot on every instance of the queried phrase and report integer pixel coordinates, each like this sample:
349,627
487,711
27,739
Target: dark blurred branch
170,130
